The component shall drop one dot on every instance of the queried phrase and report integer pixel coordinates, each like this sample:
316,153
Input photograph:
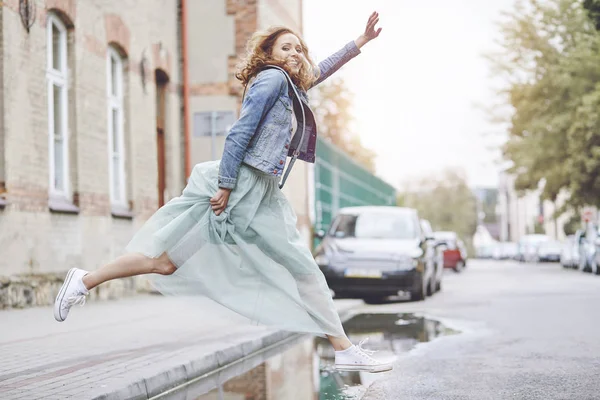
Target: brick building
98,126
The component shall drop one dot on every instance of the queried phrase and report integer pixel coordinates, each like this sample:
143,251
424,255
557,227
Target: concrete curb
150,386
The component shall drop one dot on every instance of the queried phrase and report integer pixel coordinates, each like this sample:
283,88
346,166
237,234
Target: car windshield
375,226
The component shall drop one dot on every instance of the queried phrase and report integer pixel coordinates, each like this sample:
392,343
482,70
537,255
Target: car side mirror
320,234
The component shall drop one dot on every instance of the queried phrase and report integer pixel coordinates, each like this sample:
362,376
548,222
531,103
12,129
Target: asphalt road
529,331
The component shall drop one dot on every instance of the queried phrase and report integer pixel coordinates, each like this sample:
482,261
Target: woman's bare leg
129,265
339,343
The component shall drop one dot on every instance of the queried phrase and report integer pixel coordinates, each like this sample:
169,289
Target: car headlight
322,260
406,263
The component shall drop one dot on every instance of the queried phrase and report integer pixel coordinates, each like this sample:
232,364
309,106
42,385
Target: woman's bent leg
129,265
339,343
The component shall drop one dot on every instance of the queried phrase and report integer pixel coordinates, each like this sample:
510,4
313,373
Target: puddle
302,369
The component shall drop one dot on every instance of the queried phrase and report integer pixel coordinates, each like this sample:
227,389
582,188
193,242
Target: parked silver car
372,252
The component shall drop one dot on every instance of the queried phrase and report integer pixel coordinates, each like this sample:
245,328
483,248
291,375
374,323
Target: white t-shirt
294,123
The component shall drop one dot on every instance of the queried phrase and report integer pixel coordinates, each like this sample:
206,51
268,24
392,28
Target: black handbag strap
297,151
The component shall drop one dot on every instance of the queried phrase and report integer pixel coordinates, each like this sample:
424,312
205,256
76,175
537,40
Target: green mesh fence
341,182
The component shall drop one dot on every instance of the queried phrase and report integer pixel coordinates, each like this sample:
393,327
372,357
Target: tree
331,102
446,201
400,199
593,8
550,60
572,224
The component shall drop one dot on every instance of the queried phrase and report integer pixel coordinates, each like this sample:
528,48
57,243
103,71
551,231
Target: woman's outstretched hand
370,31
220,200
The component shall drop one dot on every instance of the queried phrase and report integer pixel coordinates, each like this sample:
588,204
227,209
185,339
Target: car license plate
363,273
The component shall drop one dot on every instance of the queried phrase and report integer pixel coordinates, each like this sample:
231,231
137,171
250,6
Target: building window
116,141
58,132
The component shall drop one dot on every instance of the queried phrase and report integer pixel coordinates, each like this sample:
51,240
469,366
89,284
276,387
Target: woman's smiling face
287,48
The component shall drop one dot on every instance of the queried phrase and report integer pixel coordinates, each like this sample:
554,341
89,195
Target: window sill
121,212
62,205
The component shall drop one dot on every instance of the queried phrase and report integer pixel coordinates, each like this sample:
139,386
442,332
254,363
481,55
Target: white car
505,251
549,251
528,247
569,257
587,250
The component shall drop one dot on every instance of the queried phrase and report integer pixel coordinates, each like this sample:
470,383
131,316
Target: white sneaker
356,358
71,292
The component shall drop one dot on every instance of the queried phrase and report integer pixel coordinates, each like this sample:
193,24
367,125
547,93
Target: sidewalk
131,348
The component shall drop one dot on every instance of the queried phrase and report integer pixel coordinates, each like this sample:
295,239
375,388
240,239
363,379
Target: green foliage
572,225
331,103
446,201
538,228
551,60
489,202
584,147
400,200
593,8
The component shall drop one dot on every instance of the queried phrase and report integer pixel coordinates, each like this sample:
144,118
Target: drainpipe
185,89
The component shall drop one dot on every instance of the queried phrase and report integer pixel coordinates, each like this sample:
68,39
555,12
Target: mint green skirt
250,259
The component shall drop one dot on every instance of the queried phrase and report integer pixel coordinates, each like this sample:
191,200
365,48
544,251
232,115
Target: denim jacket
261,137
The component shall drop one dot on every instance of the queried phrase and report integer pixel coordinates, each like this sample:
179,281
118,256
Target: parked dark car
372,252
455,251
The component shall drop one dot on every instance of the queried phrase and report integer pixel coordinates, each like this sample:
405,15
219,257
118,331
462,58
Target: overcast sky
416,87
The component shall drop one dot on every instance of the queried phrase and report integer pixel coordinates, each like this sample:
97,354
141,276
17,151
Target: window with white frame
57,79
116,142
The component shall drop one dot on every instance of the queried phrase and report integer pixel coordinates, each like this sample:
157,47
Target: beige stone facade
42,234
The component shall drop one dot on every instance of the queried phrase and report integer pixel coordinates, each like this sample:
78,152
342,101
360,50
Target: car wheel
459,267
584,266
431,286
419,294
594,267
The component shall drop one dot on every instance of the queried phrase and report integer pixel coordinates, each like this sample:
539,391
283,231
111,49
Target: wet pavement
302,368
528,332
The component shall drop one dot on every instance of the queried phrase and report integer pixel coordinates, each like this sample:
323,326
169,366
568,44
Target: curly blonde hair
259,51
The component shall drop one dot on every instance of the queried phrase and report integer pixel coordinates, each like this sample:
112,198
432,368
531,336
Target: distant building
487,202
522,214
